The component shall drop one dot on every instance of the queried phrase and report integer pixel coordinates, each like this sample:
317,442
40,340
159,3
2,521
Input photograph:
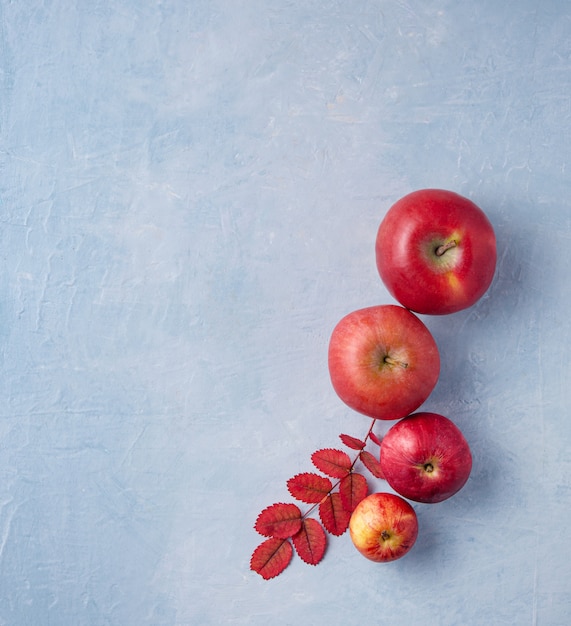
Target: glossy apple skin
407,240
383,527
426,458
383,361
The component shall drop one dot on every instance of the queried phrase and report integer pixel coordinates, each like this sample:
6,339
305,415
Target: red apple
425,458
436,252
383,527
383,361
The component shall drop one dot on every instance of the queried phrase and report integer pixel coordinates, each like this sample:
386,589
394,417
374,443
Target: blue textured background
189,196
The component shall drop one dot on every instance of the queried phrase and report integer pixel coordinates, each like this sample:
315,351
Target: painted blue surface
189,195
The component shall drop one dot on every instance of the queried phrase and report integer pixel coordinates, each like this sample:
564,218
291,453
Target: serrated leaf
375,439
352,489
310,542
334,463
271,557
279,520
371,463
333,515
352,442
309,487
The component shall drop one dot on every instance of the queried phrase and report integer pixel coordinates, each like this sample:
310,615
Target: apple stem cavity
391,361
428,468
445,246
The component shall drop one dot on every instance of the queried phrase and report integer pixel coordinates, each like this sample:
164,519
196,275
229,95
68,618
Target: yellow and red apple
383,527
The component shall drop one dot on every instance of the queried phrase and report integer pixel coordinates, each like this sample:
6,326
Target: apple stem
392,361
445,246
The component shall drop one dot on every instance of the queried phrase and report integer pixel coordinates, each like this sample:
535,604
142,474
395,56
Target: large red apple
383,527
425,457
383,361
436,252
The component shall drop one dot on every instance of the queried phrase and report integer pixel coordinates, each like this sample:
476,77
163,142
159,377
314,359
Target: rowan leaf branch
290,530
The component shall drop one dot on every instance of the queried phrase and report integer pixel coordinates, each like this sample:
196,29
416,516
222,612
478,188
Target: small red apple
436,252
425,457
383,527
383,361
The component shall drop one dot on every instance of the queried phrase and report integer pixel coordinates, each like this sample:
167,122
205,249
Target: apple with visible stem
425,457
436,252
383,361
383,527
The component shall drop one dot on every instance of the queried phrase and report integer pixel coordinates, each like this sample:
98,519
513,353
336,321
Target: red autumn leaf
309,487
310,542
352,442
334,463
375,439
271,557
334,517
279,520
371,463
352,489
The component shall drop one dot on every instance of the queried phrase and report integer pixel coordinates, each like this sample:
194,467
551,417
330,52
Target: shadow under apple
489,358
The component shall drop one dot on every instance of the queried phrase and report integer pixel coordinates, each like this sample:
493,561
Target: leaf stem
367,436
